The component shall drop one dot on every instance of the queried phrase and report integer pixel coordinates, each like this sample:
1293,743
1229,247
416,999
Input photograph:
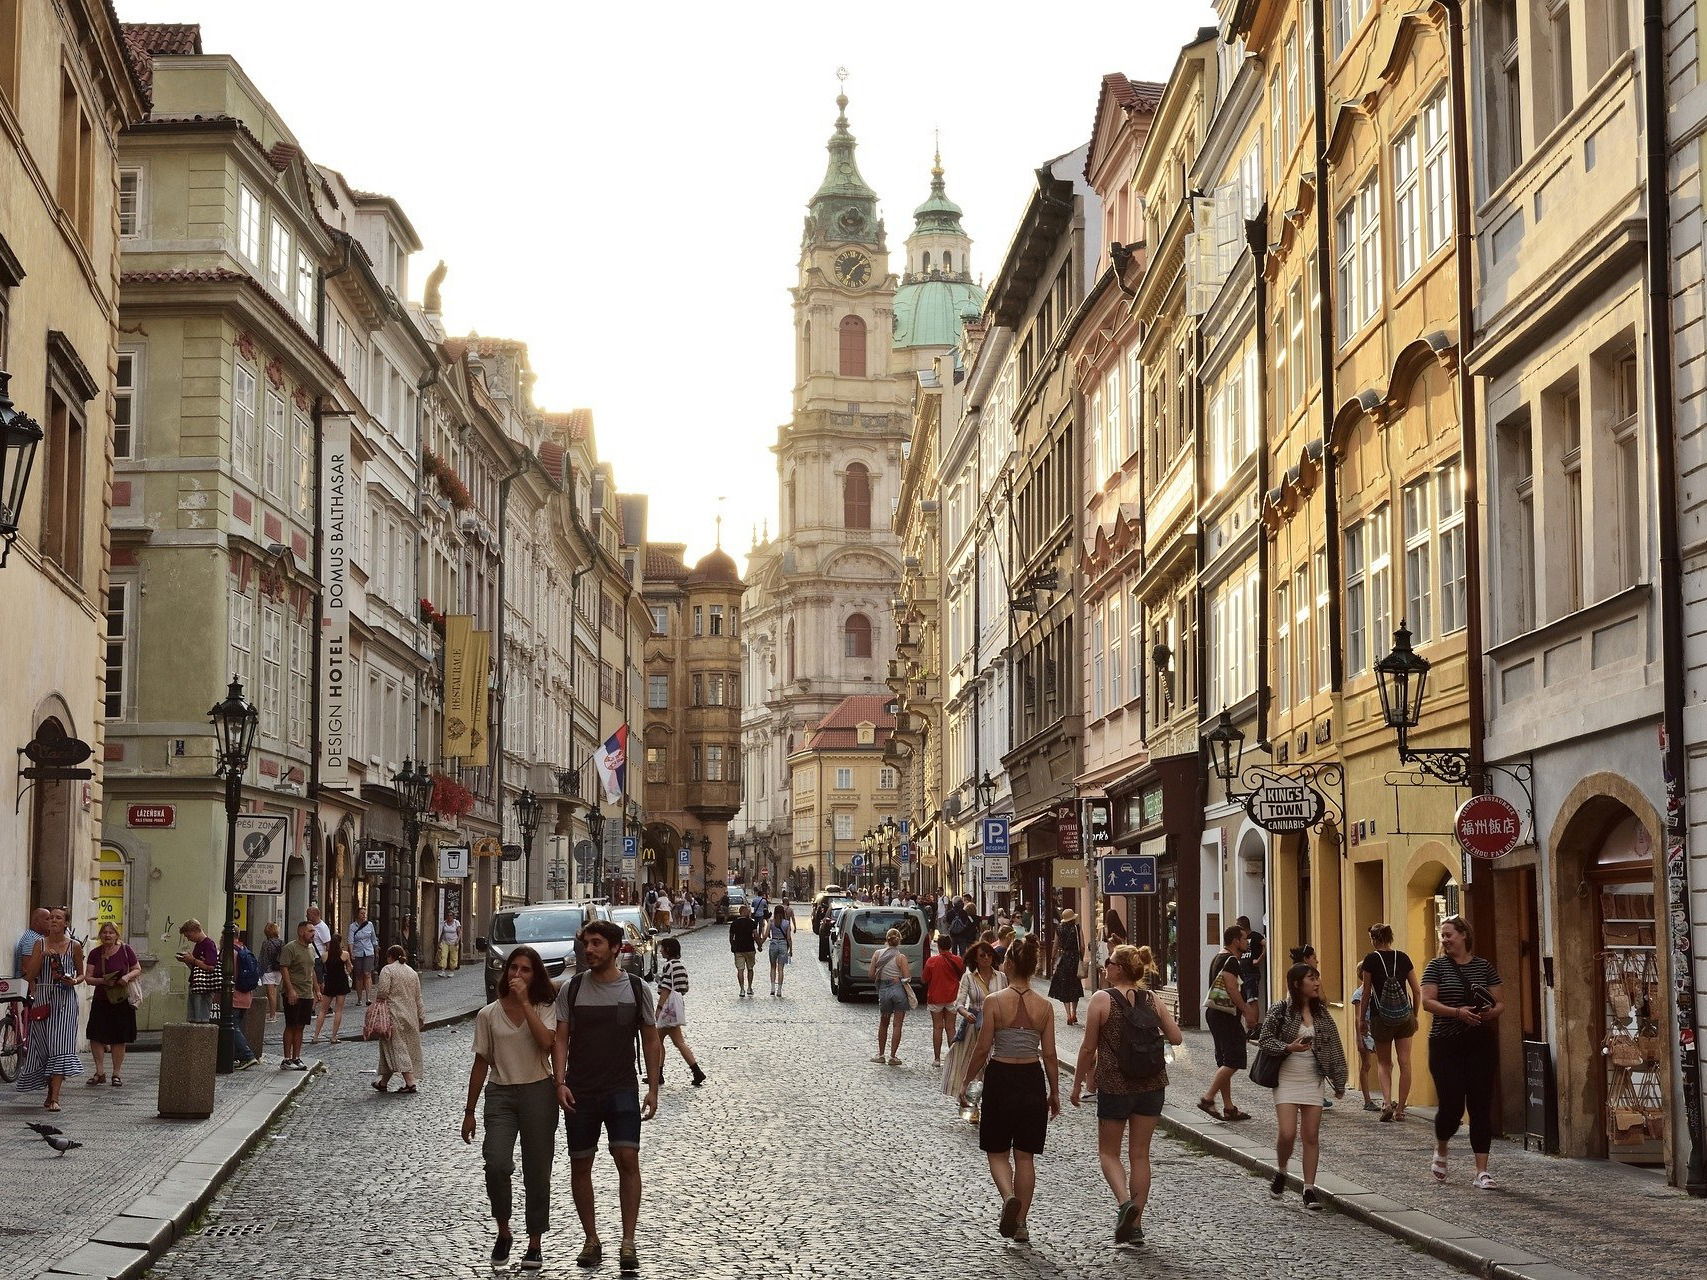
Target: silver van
857,933
548,927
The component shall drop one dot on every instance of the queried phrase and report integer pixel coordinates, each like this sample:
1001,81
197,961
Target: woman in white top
672,1008
980,980
513,1038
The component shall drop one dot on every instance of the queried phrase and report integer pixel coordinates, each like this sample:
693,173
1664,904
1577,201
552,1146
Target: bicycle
14,1027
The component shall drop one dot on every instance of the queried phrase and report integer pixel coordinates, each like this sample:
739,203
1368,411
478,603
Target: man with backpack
602,1013
962,925
251,1026
1124,1059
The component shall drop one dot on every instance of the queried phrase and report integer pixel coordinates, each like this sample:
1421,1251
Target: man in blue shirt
28,938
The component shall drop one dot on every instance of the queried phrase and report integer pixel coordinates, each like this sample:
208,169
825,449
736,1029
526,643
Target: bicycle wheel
11,1048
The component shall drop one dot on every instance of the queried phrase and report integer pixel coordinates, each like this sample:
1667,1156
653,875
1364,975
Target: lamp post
596,833
415,792
527,820
704,867
20,436
235,721
1402,677
1226,749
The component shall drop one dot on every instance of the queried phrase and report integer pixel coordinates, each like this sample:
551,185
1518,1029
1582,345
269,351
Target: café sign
1282,805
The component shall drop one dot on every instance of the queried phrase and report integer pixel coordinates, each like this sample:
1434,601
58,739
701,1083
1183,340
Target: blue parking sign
631,846
906,854
996,835
684,858
1136,874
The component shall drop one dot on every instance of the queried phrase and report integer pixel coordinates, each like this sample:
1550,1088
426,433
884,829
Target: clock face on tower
853,268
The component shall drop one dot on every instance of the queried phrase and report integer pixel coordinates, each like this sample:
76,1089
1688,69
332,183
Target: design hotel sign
339,539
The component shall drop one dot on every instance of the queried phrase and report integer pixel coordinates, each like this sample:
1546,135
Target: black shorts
1228,1032
1014,1112
298,1013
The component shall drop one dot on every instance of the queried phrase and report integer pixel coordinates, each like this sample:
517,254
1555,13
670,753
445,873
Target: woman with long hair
1129,1095
671,1013
981,979
1022,1090
1064,983
780,935
1462,991
1388,1014
333,988
513,1038
1301,1029
891,971
54,969
271,946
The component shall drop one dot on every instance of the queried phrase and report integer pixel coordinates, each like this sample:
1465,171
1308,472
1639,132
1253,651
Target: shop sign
1281,805
1099,817
260,852
373,862
1068,873
1150,807
1067,829
996,870
511,853
109,904
1487,827
338,541
488,847
453,861
151,815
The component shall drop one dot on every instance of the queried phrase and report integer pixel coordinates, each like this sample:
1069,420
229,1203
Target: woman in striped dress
672,1009
54,970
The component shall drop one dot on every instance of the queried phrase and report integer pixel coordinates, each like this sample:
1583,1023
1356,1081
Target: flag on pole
612,763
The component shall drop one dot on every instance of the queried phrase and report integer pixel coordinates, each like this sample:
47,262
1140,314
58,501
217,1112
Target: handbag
1218,999
41,1012
1266,1069
912,996
119,994
376,1023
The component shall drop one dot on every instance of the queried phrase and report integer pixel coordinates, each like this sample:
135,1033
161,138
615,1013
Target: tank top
1020,1041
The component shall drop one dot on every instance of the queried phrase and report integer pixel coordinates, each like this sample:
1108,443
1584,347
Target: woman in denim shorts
1127,1106
891,972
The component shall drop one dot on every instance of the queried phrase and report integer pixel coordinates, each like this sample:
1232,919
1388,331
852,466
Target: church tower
937,292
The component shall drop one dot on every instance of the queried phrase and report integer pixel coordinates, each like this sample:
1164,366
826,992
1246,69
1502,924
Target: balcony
712,800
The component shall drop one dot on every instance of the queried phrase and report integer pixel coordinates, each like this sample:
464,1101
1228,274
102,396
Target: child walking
672,1009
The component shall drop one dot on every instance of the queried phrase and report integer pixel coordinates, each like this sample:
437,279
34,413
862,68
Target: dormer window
867,733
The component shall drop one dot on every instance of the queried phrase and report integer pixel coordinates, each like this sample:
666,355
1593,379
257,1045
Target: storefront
1159,812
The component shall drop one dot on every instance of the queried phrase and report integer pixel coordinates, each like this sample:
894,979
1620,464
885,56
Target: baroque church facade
818,620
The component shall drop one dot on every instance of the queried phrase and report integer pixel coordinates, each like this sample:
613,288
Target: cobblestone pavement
799,1158
1576,1213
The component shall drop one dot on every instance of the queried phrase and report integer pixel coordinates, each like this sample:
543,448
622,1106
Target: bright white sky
622,186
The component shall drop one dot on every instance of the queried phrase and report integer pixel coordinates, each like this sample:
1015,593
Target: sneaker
531,1260
591,1255
501,1253
299,1065
1312,1200
245,1064
1125,1223
1277,1187
628,1258
1369,1104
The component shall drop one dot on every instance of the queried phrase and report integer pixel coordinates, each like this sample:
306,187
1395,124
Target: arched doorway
52,818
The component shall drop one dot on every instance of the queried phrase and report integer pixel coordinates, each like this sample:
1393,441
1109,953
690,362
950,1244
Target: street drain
236,1230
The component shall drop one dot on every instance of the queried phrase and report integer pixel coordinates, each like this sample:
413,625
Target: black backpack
1138,1035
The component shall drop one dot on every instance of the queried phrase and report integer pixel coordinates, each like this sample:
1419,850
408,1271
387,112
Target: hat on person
1069,915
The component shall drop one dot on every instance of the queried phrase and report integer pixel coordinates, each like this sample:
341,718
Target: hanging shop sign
488,847
337,488
1099,818
1068,873
453,861
511,853
260,852
459,687
374,862
1281,805
1067,829
1487,827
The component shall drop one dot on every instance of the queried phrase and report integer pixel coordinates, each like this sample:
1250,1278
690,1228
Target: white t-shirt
322,935
663,903
450,931
511,1051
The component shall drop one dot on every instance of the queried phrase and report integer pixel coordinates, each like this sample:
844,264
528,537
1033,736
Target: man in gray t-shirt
601,1013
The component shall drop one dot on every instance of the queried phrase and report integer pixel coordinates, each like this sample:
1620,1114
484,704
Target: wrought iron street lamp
20,436
414,786
1226,749
1402,677
986,790
235,721
527,821
596,833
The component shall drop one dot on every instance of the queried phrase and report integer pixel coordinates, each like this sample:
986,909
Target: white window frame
1627,482
301,666
245,424
1096,450
657,693
1099,678
844,778
279,260
120,636
272,669
275,427
1324,634
1134,403
844,827
1353,566
127,402
1116,637
1282,644
886,779
1111,398
1453,577
302,464
1407,206
241,621
1303,650
1437,170
304,286
249,225
130,195
1417,507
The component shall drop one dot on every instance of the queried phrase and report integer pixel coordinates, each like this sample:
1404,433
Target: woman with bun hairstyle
1022,1090
1128,1103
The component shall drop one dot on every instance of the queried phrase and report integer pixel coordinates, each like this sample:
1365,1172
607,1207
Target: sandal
1437,1167
383,1086
1009,1223
408,1088
1484,1181
50,1105
92,1081
118,1081
1388,1112
1208,1108
1236,1114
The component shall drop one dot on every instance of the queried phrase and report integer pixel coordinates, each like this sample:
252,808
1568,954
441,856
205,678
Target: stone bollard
188,1055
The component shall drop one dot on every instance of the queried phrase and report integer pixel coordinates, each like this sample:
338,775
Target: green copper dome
843,208
931,312
938,212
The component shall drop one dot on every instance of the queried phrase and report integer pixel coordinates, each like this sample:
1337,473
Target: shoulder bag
1218,998
376,1023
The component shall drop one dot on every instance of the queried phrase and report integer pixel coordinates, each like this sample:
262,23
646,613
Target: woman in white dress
1302,1031
400,1052
980,980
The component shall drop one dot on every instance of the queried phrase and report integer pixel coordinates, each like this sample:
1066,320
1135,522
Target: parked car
734,898
548,927
856,934
646,947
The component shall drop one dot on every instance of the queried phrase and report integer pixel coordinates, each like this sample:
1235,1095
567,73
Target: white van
857,933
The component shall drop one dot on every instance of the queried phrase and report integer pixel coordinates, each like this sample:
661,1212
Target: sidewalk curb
1459,1246
136,1237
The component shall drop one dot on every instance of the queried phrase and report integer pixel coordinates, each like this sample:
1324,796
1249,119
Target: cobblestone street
798,1158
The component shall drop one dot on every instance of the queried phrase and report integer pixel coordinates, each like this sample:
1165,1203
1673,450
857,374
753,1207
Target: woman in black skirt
112,968
1022,1086
1065,985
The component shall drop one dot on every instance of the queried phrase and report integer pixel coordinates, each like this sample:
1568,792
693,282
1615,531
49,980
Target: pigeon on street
61,1145
46,1130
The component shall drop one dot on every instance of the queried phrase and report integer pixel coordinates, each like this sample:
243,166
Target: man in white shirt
363,938
450,938
322,936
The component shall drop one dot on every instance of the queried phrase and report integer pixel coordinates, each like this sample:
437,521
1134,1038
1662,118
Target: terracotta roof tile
165,39
1134,95
840,729
551,457
662,565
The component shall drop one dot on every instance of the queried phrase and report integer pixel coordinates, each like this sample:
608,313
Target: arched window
926,266
853,347
856,497
947,262
856,636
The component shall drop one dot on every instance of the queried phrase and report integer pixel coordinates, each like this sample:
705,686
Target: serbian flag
612,764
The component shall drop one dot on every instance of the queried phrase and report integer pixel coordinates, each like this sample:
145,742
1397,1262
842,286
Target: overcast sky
622,186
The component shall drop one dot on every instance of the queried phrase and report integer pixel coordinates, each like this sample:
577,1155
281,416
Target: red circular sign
1487,827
